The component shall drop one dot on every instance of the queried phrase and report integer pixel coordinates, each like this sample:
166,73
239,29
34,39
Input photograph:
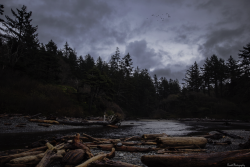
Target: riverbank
11,135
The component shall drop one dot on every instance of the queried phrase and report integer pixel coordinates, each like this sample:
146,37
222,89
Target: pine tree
193,78
206,76
22,37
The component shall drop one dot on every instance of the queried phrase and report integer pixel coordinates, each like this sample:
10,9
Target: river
127,129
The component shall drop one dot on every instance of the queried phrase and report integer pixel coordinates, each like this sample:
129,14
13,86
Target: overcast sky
184,32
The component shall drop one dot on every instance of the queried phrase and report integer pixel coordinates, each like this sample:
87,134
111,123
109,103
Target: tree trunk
182,141
196,160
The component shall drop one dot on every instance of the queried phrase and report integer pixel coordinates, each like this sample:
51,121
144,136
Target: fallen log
110,163
133,138
113,126
73,157
44,121
196,160
148,143
20,165
43,148
76,143
5,159
153,136
106,147
51,154
179,147
98,157
180,151
134,149
33,159
229,135
182,141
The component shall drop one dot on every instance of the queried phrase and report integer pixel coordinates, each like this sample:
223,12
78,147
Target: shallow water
127,129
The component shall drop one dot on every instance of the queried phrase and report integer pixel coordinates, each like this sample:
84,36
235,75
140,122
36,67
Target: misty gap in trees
217,88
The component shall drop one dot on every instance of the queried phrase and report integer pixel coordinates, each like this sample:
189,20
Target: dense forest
37,77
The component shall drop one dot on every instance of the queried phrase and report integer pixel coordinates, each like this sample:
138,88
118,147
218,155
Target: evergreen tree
22,37
244,57
193,78
206,76
232,74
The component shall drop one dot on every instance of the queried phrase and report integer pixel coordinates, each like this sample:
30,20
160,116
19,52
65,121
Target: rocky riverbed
12,133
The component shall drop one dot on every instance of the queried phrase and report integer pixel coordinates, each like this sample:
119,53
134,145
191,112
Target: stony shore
133,158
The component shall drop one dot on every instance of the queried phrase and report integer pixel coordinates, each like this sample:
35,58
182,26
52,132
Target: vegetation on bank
37,77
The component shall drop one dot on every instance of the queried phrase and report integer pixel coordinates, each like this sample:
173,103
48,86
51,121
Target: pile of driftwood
171,151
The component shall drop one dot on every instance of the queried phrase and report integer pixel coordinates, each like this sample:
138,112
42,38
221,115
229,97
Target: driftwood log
134,149
44,121
182,141
133,138
196,160
180,151
5,159
51,154
110,163
98,157
77,143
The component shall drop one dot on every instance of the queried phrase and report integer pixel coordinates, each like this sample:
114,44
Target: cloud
224,42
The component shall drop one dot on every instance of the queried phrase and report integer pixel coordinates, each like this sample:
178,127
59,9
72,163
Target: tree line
97,82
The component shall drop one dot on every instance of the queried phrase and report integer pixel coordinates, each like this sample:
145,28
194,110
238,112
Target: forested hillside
37,77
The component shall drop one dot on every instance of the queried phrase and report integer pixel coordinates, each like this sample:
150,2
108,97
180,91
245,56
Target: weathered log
73,157
198,159
90,137
229,135
44,121
110,163
20,165
148,143
133,138
113,126
76,143
134,149
179,147
51,154
180,151
153,136
98,157
106,147
28,159
182,141
130,143
8,158
43,148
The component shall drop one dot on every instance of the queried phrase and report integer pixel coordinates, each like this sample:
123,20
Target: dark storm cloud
224,42
196,29
142,55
